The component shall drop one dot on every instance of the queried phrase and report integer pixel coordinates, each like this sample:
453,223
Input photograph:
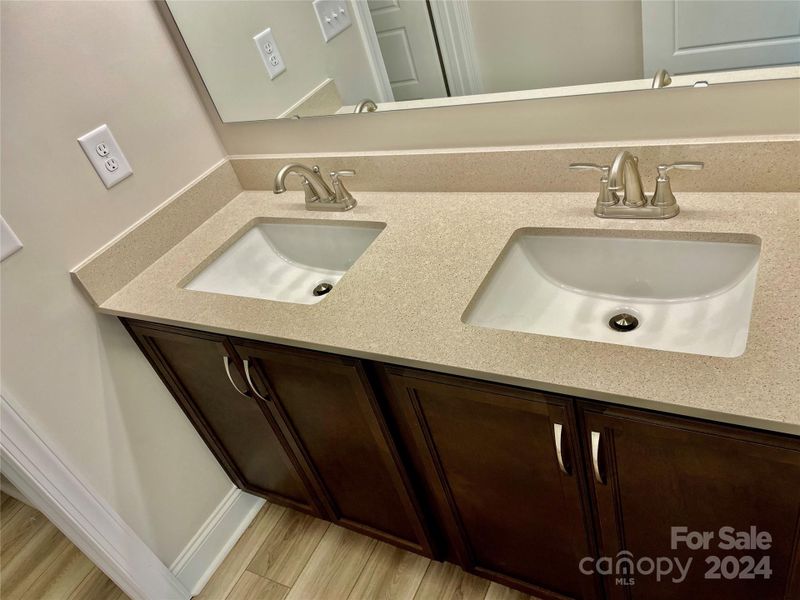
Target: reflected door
408,46
702,35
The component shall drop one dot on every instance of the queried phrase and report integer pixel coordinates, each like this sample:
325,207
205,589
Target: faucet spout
624,175
366,105
312,182
661,79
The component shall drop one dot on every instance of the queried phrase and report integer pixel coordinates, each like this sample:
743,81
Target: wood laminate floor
286,555
283,555
38,562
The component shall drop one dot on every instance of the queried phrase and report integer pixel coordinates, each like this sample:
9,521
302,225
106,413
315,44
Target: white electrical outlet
333,16
268,49
105,155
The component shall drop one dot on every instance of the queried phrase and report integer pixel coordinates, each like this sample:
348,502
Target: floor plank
29,553
254,587
228,573
501,592
38,562
288,547
20,527
390,574
334,567
97,586
444,581
62,576
8,507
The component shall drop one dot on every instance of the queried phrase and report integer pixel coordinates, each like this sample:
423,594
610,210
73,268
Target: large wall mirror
268,59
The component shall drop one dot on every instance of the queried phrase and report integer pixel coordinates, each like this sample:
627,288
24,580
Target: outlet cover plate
333,16
268,49
105,155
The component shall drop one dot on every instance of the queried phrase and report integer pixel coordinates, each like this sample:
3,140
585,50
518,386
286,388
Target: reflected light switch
333,17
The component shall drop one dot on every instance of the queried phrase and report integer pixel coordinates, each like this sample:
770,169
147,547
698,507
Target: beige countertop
403,300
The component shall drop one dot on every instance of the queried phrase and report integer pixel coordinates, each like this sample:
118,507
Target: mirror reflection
266,59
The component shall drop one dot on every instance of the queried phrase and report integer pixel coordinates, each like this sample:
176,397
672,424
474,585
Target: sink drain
623,322
322,288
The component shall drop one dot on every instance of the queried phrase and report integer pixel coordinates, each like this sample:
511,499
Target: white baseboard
99,532
89,522
195,565
10,489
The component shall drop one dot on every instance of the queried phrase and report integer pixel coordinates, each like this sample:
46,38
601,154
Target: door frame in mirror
364,22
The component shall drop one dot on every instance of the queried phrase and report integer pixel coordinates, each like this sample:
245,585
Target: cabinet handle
558,433
226,361
596,457
250,381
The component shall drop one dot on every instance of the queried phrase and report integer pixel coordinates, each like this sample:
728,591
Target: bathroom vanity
512,484
416,400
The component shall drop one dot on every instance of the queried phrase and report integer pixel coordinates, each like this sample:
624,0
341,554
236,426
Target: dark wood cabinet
652,472
522,487
236,427
502,464
328,411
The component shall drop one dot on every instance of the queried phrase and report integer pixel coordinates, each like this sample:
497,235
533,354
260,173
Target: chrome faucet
319,195
661,79
366,105
623,175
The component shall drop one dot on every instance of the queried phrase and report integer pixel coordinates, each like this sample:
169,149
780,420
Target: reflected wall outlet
105,155
333,17
268,49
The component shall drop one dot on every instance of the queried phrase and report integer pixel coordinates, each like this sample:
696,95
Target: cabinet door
502,460
652,472
234,426
327,410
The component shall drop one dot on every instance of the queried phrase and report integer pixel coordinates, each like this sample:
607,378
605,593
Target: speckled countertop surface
403,300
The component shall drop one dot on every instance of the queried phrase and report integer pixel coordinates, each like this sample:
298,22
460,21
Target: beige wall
66,68
549,43
220,36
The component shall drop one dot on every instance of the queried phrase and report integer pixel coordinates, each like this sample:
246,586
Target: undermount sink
286,260
668,294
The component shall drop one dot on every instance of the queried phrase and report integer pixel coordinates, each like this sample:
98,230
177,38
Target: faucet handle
688,166
342,194
606,196
663,196
311,193
604,169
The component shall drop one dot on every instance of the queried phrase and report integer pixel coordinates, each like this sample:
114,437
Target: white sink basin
286,260
688,296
